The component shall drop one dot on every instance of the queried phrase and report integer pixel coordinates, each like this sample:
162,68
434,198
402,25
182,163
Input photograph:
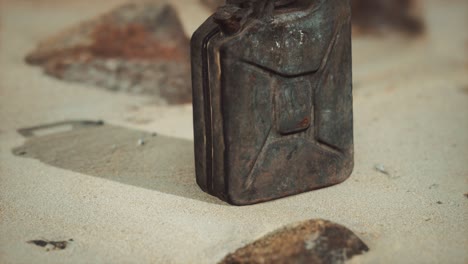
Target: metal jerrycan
272,98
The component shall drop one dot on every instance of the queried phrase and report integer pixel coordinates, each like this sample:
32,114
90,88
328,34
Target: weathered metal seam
208,110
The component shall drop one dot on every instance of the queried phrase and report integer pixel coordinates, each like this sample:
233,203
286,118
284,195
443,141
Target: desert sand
126,195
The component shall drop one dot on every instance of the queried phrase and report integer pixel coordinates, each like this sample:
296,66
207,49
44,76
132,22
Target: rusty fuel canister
272,98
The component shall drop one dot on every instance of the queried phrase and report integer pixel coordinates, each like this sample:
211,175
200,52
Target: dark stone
139,48
54,245
39,243
380,16
314,241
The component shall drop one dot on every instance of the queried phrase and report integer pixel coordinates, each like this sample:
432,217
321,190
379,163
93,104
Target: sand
411,118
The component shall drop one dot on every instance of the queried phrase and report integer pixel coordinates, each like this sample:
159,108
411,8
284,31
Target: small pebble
381,168
141,142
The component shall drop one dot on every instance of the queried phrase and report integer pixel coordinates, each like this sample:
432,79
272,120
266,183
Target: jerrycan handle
236,13
290,6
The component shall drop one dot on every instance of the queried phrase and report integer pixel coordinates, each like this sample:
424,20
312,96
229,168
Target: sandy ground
141,205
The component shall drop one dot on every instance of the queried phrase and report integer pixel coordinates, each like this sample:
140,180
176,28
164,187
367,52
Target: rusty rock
379,16
139,48
376,16
314,241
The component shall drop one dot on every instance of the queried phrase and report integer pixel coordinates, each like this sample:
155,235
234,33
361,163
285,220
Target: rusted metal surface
314,241
139,48
272,91
376,16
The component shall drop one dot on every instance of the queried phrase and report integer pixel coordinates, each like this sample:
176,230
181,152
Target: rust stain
139,48
132,41
305,122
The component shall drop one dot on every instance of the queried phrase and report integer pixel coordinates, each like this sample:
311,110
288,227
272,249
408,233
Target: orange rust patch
305,122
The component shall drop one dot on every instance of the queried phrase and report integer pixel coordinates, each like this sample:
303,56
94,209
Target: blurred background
142,47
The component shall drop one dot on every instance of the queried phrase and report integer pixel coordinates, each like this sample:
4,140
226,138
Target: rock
51,245
138,48
314,241
381,16
375,16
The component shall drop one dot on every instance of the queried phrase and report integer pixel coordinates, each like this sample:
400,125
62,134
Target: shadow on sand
116,153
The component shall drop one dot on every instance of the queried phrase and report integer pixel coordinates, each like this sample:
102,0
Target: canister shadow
128,156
